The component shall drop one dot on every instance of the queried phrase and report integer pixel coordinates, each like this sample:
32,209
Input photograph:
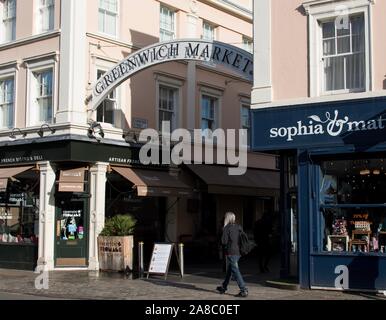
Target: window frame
5,77
34,67
117,22
217,118
173,83
38,21
174,12
246,43
102,64
212,26
3,40
323,12
246,105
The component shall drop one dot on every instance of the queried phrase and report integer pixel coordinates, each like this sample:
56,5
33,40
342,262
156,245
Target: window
352,205
7,102
108,16
167,24
343,60
46,15
208,31
105,111
248,44
43,96
8,20
209,107
19,210
246,121
168,106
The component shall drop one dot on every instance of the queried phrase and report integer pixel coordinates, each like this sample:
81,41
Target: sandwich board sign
160,259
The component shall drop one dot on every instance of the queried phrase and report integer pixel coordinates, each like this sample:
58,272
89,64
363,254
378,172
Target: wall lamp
41,131
13,135
130,137
95,131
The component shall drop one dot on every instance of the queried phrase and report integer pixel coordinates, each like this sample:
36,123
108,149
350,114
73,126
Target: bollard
140,259
181,254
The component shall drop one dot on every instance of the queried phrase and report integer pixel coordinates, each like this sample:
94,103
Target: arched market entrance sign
218,53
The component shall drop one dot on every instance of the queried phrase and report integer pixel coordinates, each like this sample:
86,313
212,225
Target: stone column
192,74
47,216
73,49
262,88
97,210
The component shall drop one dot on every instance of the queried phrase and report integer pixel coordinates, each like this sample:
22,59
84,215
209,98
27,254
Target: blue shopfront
333,161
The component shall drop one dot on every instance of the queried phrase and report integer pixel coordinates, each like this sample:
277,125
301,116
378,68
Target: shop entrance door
294,256
71,236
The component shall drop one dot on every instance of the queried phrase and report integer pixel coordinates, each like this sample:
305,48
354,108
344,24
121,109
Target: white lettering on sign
234,58
332,125
341,281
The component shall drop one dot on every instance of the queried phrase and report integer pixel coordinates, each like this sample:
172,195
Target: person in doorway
230,241
262,234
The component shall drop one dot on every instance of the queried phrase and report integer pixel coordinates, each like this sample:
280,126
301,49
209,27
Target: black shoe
221,290
242,294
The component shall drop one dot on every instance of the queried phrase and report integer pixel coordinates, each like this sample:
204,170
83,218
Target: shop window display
353,206
19,213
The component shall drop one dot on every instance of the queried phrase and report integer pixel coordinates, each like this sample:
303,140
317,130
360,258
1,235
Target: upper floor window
343,56
7,102
209,112
8,20
208,31
168,100
167,24
246,121
105,111
46,15
108,16
43,91
248,44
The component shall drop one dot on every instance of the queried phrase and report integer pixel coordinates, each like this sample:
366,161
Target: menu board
159,263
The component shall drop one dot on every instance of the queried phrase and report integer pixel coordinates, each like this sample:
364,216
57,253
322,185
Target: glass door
294,235
71,233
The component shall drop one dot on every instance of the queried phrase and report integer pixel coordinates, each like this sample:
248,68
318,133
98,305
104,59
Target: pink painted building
319,102
69,168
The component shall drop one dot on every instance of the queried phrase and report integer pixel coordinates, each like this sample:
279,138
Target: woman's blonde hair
229,218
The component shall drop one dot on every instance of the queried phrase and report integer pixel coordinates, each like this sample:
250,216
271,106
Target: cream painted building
59,182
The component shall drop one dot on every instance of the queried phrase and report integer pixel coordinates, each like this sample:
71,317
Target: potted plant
115,244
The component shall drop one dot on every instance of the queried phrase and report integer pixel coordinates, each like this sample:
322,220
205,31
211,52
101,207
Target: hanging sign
214,52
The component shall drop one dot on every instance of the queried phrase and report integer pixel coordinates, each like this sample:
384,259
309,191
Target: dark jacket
230,239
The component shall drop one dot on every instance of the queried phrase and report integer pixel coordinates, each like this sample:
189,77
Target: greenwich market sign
218,53
359,122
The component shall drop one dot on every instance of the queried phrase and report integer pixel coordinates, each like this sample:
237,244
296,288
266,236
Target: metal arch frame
234,58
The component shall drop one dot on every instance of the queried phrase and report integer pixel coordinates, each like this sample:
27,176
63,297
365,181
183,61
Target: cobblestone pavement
198,286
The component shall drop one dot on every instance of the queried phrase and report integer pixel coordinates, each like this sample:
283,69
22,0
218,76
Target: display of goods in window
339,227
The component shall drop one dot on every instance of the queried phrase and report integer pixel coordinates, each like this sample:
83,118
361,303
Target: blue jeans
233,269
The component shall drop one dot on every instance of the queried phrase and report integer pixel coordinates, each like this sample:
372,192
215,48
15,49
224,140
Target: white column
73,46
97,210
191,83
47,216
262,87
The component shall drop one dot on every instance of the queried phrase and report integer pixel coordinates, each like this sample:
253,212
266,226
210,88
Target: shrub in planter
116,242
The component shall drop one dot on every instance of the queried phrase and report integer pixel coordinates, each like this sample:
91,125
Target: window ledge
319,6
31,39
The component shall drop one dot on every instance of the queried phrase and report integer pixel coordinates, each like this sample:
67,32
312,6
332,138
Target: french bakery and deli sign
218,53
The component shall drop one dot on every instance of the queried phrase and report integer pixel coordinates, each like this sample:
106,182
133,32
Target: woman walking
230,241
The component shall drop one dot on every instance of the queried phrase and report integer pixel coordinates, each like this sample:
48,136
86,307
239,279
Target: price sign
160,259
